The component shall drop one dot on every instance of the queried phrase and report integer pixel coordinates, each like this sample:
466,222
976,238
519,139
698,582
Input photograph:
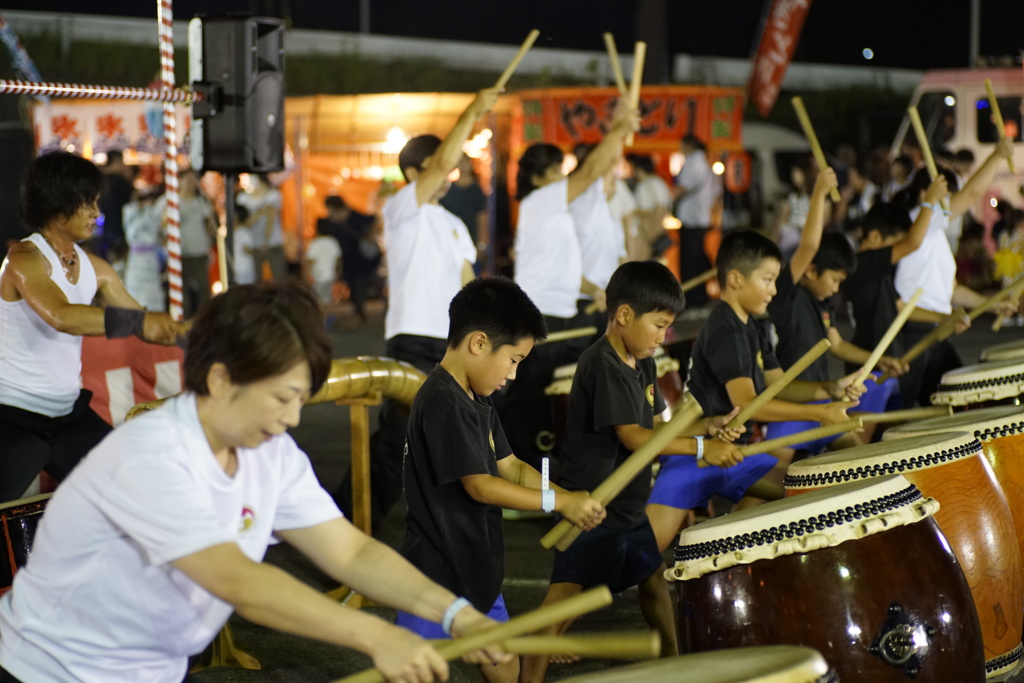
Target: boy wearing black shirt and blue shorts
733,361
459,469
612,409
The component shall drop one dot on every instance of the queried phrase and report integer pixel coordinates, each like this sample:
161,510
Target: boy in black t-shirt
459,470
802,313
612,408
733,361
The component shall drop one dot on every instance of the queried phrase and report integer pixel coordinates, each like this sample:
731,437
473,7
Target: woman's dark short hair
56,185
416,151
497,307
536,160
644,286
258,332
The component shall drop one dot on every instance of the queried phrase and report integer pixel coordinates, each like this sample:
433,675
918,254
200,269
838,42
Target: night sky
917,34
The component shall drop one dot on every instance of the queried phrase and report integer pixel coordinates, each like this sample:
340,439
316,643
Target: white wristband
547,500
700,447
449,614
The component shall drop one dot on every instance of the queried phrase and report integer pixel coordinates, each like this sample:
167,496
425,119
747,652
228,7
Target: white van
956,114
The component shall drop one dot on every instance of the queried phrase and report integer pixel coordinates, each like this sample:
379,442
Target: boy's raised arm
810,238
936,191
448,154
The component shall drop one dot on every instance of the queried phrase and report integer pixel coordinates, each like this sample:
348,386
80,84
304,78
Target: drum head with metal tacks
798,524
993,381
880,459
984,423
767,664
1005,351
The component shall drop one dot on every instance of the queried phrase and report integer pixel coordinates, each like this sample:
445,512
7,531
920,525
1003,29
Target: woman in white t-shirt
166,524
549,268
932,267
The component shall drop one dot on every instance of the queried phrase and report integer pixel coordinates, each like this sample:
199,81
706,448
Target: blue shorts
617,559
682,484
431,630
874,400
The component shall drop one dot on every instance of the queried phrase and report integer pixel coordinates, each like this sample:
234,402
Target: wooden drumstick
570,334
853,424
772,391
523,49
564,533
812,139
997,116
613,57
785,441
942,331
593,599
614,645
222,258
698,280
639,54
1013,289
887,338
926,149
907,415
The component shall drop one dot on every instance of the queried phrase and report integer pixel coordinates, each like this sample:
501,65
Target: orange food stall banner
566,116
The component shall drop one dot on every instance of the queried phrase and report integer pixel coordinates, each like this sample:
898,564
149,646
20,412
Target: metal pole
975,48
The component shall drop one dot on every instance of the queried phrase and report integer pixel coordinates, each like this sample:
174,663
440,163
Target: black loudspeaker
237,63
17,151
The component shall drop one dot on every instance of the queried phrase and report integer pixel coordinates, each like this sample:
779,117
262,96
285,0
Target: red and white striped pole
165,19
107,92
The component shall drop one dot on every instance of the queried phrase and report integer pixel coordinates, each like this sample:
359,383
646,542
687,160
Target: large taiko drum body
19,519
1008,351
859,572
982,385
974,516
1001,433
769,664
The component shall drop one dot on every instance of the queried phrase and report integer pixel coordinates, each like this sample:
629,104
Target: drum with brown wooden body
982,385
974,516
1001,433
19,519
859,572
769,664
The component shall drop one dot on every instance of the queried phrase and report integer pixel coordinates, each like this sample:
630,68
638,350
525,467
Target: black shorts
617,559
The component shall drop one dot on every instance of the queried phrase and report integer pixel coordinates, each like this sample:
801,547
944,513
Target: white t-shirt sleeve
153,500
400,208
303,502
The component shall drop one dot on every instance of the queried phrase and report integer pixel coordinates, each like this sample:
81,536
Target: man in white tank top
51,294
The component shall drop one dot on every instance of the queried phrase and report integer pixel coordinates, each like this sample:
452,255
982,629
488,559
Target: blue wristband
935,207
449,614
700,447
547,500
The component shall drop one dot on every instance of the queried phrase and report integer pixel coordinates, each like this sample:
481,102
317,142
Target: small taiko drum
1001,432
982,385
19,519
1008,351
859,572
974,516
769,664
